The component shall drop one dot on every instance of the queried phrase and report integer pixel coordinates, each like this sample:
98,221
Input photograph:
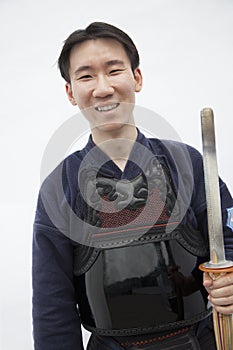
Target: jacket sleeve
56,323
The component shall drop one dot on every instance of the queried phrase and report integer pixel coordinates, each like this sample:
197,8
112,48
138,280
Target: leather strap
180,340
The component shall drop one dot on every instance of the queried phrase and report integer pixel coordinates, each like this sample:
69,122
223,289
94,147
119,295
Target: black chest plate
139,273
140,289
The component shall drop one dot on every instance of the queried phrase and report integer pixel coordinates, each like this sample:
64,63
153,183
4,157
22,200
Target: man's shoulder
73,160
174,147
64,173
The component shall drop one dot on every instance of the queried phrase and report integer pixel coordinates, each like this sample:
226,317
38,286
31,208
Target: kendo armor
139,272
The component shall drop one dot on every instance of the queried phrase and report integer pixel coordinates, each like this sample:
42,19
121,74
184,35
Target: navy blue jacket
56,322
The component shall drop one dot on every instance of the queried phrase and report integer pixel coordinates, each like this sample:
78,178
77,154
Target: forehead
97,51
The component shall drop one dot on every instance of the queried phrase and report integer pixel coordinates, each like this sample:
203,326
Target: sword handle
223,324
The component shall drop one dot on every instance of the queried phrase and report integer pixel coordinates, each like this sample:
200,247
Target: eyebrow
81,69
115,62
108,64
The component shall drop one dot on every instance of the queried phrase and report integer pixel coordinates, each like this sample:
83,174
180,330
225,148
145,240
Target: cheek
128,84
81,97
129,91
126,88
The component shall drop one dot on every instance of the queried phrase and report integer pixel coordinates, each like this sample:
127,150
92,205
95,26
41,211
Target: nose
103,88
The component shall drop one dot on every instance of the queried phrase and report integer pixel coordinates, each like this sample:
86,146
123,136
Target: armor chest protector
139,271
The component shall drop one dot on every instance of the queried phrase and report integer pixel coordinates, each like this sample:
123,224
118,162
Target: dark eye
83,77
114,71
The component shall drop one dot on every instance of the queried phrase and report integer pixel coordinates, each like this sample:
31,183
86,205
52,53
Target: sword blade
214,213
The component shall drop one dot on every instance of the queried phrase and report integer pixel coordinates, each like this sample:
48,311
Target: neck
117,144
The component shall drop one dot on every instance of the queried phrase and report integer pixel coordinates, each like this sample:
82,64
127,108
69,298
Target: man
120,226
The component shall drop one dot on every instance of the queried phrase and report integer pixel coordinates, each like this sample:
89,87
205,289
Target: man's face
102,83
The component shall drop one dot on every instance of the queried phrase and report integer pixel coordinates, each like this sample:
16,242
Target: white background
186,49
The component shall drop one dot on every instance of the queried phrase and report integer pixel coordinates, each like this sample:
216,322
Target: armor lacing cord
148,341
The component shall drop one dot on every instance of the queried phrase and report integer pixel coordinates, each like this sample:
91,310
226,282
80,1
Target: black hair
94,31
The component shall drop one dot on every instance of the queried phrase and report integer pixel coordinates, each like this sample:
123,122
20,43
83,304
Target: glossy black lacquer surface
141,286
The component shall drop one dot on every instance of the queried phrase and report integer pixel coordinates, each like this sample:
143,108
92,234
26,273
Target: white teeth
106,108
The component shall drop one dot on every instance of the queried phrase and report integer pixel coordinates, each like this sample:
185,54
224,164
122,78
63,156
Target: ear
69,93
138,79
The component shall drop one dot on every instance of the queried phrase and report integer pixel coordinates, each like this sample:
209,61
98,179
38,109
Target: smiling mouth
107,108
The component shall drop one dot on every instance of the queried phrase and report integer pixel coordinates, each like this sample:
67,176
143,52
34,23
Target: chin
111,127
